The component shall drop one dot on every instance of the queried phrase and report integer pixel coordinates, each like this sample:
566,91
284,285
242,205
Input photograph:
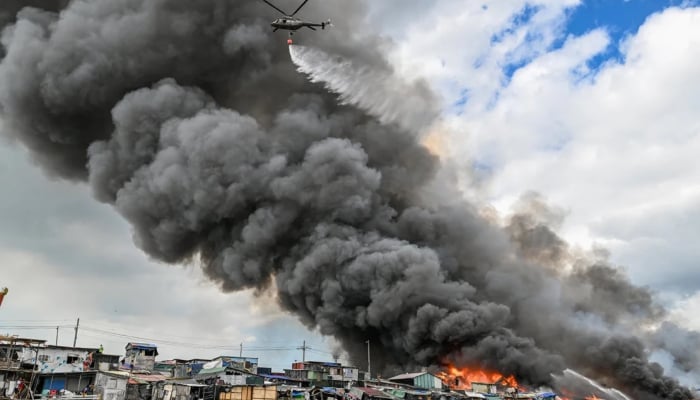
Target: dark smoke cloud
189,118
10,8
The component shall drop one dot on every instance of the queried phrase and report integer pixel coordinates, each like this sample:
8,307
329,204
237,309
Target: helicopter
291,23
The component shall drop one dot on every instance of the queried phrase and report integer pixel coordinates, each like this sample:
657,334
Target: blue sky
618,17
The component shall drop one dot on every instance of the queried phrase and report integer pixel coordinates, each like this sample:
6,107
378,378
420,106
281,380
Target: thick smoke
189,118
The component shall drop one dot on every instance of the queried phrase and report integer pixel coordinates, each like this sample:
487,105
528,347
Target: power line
189,339
27,327
184,344
38,320
103,333
200,345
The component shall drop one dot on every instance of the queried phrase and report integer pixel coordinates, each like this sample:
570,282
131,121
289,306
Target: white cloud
616,146
464,45
685,313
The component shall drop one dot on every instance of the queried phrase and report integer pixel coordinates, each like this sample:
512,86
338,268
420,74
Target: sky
592,104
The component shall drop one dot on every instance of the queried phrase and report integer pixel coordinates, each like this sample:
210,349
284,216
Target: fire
436,141
462,378
593,397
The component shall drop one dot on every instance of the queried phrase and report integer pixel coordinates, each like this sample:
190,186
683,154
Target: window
72,359
44,358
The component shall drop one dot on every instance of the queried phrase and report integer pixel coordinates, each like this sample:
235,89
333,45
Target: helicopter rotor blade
311,27
299,8
275,7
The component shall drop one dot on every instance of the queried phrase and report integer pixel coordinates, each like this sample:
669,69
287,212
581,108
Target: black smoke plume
189,118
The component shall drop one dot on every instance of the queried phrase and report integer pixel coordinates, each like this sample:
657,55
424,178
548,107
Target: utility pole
56,336
75,338
240,353
369,365
303,351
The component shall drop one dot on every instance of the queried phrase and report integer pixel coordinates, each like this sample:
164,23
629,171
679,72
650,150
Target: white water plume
378,92
585,386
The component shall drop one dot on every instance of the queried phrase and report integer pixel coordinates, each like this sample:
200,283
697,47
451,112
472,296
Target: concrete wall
110,387
139,360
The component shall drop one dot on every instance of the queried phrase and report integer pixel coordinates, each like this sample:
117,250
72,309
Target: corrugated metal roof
212,371
186,382
134,345
140,377
407,376
280,377
373,392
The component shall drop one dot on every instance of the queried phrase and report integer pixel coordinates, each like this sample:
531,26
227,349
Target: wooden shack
250,393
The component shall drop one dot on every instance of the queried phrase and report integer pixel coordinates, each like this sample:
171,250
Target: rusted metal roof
373,392
141,379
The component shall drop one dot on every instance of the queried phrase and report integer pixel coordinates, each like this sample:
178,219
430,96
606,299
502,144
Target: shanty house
367,393
423,380
12,367
243,363
61,368
174,368
228,376
51,369
140,357
122,385
180,390
59,359
323,373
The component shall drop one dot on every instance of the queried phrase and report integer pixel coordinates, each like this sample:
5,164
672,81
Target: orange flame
593,397
462,378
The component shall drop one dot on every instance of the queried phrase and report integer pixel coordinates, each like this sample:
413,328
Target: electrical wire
189,339
23,327
186,344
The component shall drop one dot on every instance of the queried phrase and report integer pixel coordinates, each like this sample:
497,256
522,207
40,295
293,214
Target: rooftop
16,339
133,345
373,392
137,378
408,376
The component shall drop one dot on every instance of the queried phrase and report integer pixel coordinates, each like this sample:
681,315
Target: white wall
52,360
